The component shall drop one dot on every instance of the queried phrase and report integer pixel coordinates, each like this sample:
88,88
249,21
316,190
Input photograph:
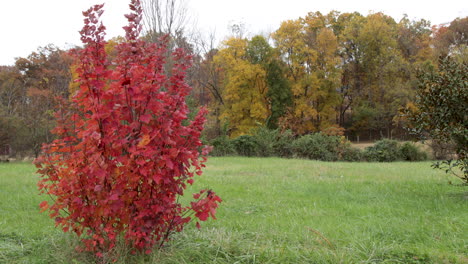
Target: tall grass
276,211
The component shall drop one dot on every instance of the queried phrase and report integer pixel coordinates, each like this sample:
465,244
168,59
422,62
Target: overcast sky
27,24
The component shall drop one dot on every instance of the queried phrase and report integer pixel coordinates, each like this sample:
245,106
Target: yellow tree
245,89
298,57
329,75
310,51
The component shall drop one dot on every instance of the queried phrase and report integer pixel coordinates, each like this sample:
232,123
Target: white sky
27,24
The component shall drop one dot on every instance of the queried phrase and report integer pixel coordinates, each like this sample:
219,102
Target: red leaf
173,152
203,216
145,118
44,206
169,164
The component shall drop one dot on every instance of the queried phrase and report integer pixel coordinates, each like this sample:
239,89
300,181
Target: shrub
222,146
123,155
266,140
385,150
246,145
317,147
283,146
263,143
410,152
350,153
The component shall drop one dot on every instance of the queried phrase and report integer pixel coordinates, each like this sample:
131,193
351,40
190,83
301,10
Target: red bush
123,153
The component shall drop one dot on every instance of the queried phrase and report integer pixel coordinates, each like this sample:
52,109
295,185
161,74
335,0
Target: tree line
338,73
335,73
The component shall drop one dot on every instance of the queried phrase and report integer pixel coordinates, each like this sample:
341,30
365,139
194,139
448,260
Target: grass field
276,211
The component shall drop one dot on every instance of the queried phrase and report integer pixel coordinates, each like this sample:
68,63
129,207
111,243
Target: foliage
451,40
411,152
310,51
263,143
27,92
385,150
279,94
222,146
266,140
351,153
246,145
317,147
283,146
245,103
123,155
332,73
441,109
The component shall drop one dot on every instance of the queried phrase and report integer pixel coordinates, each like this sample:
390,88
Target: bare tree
238,29
165,17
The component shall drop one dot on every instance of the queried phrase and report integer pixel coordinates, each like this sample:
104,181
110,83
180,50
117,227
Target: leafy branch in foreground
440,114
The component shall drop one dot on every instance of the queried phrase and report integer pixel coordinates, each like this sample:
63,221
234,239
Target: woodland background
337,73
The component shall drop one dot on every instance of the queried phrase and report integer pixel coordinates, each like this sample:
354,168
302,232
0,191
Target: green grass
276,211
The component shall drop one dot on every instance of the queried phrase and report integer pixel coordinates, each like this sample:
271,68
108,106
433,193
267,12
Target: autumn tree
451,39
348,27
382,61
125,151
12,100
245,89
46,75
414,39
27,92
309,49
327,70
376,79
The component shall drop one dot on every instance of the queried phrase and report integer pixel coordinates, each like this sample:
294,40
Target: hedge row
318,146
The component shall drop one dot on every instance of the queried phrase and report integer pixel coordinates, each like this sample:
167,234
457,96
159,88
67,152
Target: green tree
441,110
279,94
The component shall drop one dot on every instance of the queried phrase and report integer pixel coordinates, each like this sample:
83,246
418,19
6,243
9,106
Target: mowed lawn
275,211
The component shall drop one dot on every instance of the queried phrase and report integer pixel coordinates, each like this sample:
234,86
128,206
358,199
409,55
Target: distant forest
339,73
